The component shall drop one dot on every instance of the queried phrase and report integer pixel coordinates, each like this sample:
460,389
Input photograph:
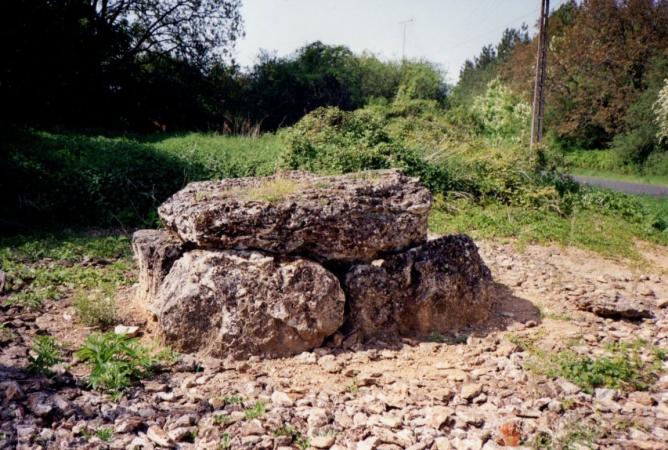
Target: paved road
623,186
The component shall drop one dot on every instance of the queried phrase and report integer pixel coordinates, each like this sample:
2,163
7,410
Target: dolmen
274,266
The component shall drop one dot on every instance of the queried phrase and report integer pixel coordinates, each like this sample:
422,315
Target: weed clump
256,411
96,308
115,361
623,368
46,354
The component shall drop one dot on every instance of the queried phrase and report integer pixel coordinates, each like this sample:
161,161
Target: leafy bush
661,111
501,113
115,361
46,354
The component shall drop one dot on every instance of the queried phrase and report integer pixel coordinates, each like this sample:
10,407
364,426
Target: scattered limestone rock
616,306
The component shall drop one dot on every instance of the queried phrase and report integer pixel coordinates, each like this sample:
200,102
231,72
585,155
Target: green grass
607,164
585,228
50,267
96,308
630,366
50,179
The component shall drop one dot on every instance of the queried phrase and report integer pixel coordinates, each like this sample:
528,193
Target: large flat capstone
353,217
241,303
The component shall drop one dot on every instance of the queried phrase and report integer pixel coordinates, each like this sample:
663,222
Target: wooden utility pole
538,109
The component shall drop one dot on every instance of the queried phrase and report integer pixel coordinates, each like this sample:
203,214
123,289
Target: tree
193,30
476,74
90,63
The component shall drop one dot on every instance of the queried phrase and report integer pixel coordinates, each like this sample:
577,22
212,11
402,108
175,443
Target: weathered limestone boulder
439,287
155,252
353,217
615,306
241,303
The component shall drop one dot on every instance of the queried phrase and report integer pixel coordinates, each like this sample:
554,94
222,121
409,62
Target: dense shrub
414,139
501,113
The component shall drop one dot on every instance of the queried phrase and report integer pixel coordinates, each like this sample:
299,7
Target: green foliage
49,267
105,434
256,411
96,307
46,354
501,113
226,442
221,419
115,361
661,111
109,181
489,186
420,80
233,400
623,368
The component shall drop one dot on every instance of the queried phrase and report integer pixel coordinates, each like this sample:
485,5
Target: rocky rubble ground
469,391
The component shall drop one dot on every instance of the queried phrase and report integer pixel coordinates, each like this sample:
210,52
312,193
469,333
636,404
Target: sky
446,32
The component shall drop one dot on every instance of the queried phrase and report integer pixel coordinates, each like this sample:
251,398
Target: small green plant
47,353
353,387
105,434
542,441
623,368
221,419
256,411
6,334
524,342
233,400
115,361
96,307
298,439
225,442
577,436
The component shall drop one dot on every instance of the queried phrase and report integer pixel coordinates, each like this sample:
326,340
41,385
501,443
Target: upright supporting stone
238,303
155,252
439,287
